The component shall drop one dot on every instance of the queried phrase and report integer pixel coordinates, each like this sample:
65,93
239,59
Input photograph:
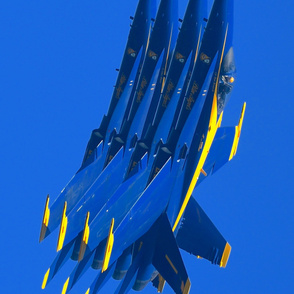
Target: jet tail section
198,236
167,258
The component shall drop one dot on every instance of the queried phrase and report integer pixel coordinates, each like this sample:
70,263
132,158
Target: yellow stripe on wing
237,133
213,126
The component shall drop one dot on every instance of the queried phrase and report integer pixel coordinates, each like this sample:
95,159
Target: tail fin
168,260
198,236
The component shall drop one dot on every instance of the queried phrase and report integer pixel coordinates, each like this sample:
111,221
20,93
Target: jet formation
129,208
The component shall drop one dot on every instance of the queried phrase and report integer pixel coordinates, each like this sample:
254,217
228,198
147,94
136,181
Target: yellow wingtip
88,291
45,279
64,289
238,129
85,238
187,287
108,248
46,216
63,227
226,255
241,118
160,284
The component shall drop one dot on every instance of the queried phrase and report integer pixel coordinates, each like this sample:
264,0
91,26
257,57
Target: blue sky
57,71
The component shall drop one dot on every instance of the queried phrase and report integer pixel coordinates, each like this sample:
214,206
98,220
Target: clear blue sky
57,71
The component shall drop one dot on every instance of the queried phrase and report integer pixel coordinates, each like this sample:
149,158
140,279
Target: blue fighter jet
129,208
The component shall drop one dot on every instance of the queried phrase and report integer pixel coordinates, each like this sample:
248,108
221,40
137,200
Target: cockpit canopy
226,80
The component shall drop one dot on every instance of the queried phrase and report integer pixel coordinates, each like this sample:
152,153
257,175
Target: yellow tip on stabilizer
88,291
187,287
85,238
64,289
108,248
226,255
160,284
62,230
45,279
45,221
237,133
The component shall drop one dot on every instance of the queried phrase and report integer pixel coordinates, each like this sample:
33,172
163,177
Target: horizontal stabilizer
198,236
167,258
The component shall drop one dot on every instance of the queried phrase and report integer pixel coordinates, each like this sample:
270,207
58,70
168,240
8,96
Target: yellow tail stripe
226,255
171,264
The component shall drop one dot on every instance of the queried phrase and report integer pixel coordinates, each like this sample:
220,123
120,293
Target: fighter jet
137,210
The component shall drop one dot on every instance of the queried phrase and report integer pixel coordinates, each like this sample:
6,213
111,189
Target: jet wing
133,58
223,148
198,235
